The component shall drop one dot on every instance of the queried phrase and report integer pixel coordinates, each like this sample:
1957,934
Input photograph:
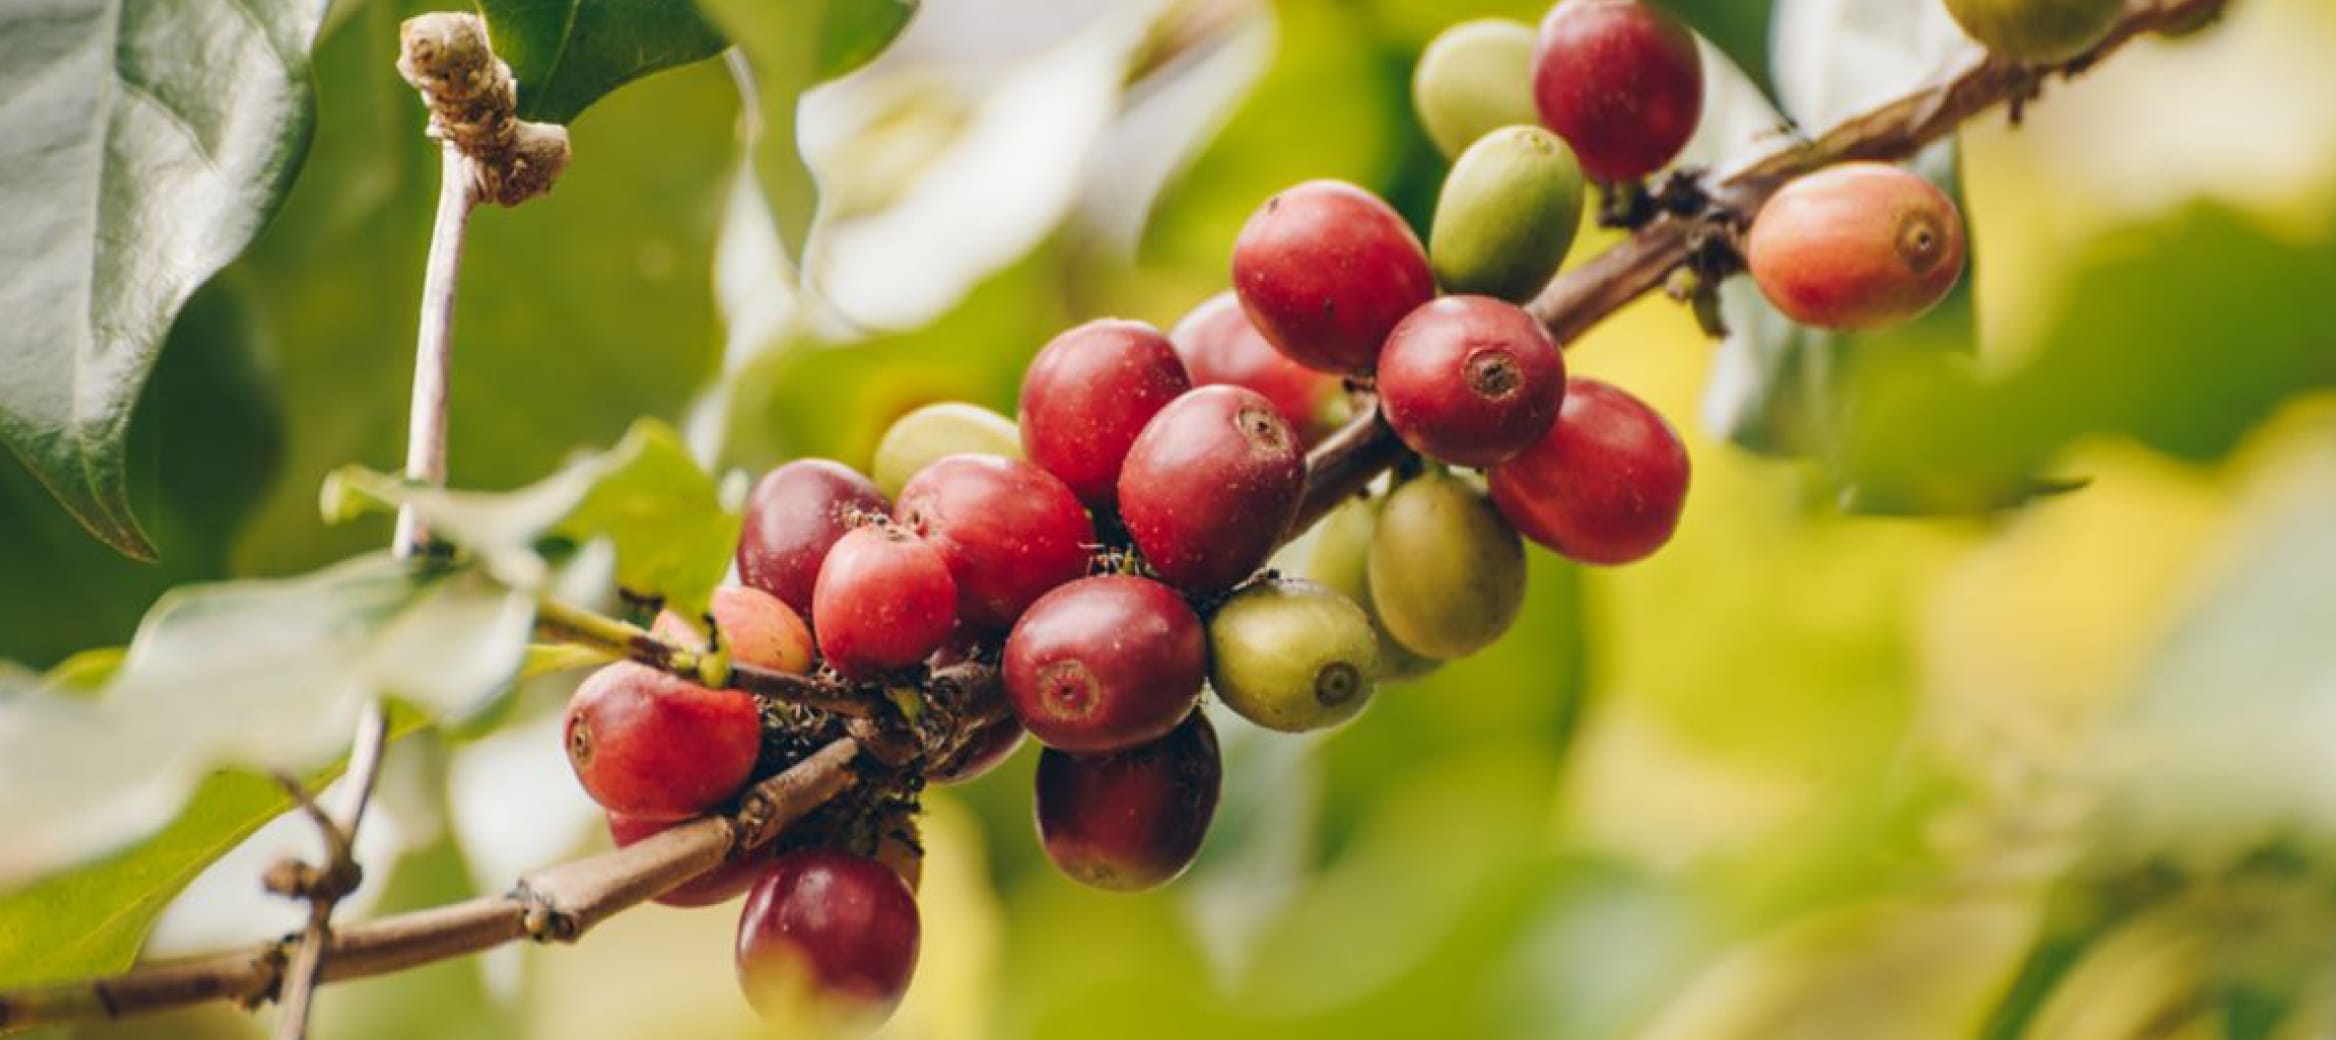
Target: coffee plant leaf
568,54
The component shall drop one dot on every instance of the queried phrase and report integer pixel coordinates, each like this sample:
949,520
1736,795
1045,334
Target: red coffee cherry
1086,396
1133,819
1210,486
1220,346
1009,531
827,933
1621,82
793,515
719,885
646,744
1471,380
1325,269
756,627
1105,663
1857,246
1604,486
884,601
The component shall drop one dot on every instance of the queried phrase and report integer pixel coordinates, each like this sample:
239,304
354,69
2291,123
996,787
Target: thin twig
434,344
339,876
555,905
567,622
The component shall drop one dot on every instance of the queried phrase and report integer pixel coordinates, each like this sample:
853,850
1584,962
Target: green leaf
588,305
143,144
266,674
663,515
568,54
2183,335
1737,27
791,47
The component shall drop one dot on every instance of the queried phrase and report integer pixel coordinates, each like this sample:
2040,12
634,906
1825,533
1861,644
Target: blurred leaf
2183,335
204,441
662,514
1739,28
809,399
579,311
570,53
269,674
1835,58
146,142
1332,85
791,47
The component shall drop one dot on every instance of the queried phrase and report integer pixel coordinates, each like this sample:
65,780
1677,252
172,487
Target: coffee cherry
1621,82
756,628
1209,487
2038,32
1325,269
1857,246
1009,531
793,515
1292,655
1473,79
1471,380
1086,396
1447,572
647,744
1220,346
935,432
827,935
1605,486
1341,562
885,601
1133,819
1105,663
1507,215
722,884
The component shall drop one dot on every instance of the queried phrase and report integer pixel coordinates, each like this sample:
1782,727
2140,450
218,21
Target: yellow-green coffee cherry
1447,573
1507,214
1473,79
1292,655
1341,561
935,432
2040,32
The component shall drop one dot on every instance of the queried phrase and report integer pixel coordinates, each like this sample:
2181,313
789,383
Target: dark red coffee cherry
827,935
1087,395
1471,380
1220,346
1621,82
793,515
885,601
1604,486
1210,486
1132,819
757,628
650,745
1105,663
1325,269
988,748
1009,531
719,885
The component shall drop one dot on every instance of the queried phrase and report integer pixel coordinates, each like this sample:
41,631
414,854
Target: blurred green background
2066,772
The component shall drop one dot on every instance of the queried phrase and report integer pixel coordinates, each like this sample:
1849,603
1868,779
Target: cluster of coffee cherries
1105,554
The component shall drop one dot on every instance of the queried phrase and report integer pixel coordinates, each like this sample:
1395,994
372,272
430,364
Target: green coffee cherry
935,432
1507,214
1475,78
1292,655
1341,561
2040,32
1447,573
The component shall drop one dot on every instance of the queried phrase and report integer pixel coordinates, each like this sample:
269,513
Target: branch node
474,104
